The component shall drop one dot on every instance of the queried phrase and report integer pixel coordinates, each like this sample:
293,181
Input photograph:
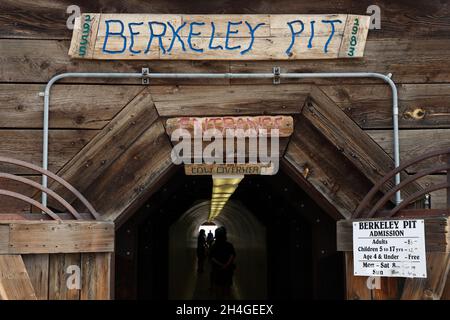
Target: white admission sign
389,248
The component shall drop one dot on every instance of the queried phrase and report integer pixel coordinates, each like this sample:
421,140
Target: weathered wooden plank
437,238
413,20
72,106
173,101
327,172
261,125
238,37
15,283
39,60
26,237
4,238
10,205
420,105
58,288
350,140
108,144
356,287
37,266
26,145
426,63
96,273
414,143
432,287
133,174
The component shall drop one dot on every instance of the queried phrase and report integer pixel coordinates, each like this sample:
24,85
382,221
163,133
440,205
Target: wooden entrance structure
328,155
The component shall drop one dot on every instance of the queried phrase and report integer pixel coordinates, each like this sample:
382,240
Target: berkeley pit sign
218,37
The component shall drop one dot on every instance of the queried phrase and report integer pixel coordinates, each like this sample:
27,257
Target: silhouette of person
201,250
210,238
222,257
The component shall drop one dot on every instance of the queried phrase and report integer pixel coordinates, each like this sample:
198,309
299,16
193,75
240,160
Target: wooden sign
229,169
218,37
261,124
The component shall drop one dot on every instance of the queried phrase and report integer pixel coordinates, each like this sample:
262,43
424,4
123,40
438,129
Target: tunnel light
223,188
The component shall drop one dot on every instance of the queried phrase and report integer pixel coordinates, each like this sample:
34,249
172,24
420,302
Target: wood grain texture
174,101
96,268
37,266
10,205
108,144
133,174
93,37
356,287
15,283
414,143
415,20
327,172
420,105
26,145
57,286
432,287
28,237
39,60
72,106
350,140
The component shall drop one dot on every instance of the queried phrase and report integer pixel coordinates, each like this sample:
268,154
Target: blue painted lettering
210,46
331,22
312,34
109,33
159,36
176,35
192,33
132,34
230,32
252,35
294,34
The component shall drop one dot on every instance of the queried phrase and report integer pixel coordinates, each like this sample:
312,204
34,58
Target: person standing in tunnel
210,238
201,250
222,256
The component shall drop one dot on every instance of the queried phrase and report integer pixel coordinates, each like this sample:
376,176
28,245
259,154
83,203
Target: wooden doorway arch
328,155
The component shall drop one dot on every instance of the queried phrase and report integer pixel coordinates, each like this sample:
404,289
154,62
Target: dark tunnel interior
285,244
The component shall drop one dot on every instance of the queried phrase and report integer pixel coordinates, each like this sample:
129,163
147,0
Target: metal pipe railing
145,75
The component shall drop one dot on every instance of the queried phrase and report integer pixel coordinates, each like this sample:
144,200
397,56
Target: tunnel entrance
285,243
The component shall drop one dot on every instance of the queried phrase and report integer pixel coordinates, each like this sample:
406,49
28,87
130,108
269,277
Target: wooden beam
432,287
415,143
200,101
421,106
96,268
15,283
72,106
363,152
58,276
135,173
325,171
37,266
32,237
26,145
437,237
111,142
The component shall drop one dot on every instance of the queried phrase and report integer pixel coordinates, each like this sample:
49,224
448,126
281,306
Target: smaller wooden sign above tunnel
218,37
